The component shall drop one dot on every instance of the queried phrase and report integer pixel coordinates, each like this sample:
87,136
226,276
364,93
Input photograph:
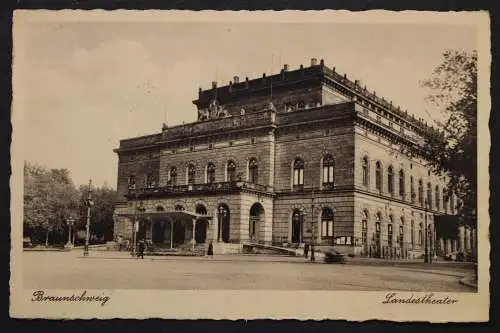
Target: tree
101,217
452,148
50,197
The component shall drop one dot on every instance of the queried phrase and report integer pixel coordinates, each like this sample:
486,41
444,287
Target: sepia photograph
181,157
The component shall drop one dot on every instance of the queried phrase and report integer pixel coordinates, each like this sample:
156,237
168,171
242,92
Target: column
215,226
193,240
442,245
448,245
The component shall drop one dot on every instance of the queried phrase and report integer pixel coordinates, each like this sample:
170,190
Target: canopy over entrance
176,215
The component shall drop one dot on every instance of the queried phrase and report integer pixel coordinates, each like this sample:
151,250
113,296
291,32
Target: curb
468,281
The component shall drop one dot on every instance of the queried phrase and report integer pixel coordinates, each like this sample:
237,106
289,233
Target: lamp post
69,221
89,204
141,209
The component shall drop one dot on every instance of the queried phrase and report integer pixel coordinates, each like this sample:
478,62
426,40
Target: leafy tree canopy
453,148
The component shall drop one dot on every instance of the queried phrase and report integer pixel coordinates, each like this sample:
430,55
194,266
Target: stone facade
326,162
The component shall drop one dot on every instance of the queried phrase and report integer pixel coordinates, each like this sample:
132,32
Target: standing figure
210,250
306,250
140,253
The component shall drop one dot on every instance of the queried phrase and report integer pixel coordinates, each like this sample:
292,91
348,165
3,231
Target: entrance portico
172,229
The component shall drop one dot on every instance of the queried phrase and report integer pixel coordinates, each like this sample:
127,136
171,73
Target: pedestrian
140,253
210,250
306,250
312,253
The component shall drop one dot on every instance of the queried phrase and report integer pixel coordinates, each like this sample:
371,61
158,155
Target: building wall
376,149
239,150
311,146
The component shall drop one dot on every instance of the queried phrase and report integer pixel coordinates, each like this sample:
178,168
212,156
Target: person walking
140,253
210,250
306,250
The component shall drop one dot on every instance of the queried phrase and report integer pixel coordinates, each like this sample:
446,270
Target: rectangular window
330,228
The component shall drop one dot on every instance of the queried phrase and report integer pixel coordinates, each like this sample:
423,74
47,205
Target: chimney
236,79
263,75
285,67
322,62
314,61
214,84
301,66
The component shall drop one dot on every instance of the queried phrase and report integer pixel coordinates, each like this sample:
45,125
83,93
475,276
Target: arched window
178,208
366,171
412,190
389,232
402,184
429,195
298,172
297,226
437,199
327,223
364,228
253,171
328,169
231,171
421,192
201,209
445,200
210,172
173,176
191,173
378,176
301,105
390,180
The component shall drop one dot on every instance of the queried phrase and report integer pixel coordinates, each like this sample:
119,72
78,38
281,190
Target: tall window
364,228
402,184
298,172
378,176
390,180
412,190
328,169
191,173
150,180
437,199
131,182
231,171
452,203
445,201
365,171
429,195
402,233
420,192
377,229
210,173
253,171
412,233
420,234
389,232
173,176
327,223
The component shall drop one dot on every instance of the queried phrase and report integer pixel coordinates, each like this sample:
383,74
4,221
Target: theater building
306,155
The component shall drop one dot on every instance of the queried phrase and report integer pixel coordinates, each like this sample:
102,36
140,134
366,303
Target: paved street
117,270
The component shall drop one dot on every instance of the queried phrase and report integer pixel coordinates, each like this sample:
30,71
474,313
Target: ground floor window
327,223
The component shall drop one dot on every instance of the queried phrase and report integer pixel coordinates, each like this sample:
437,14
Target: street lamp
70,222
89,203
141,209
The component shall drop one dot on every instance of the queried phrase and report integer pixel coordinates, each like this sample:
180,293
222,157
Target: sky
83,86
